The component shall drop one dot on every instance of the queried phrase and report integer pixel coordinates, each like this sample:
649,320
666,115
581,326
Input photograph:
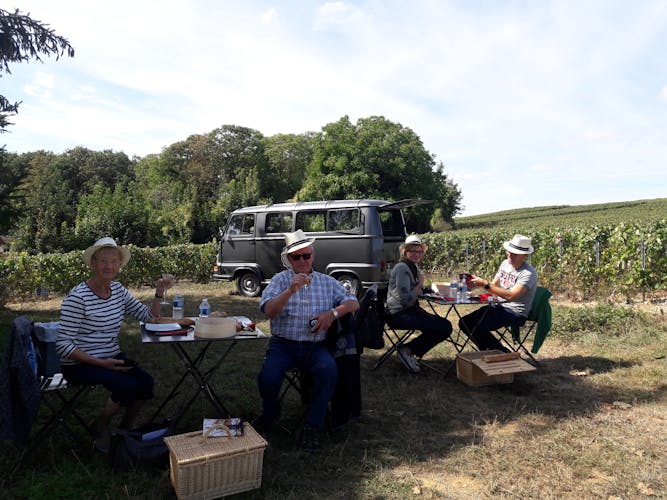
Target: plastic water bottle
178,305
463,291
204,309
453,290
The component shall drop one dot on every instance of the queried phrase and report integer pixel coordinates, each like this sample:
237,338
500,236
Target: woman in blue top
90,320
405,286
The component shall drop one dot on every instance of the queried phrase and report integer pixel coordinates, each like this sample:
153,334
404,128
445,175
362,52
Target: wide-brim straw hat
411,240
293,242
106,242
520,244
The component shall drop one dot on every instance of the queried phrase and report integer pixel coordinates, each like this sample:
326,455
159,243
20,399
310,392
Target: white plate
163,327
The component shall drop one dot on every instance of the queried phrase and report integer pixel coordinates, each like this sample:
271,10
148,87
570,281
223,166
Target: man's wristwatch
487,286
335,313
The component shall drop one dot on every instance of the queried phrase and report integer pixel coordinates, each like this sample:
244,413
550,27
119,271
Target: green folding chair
538,324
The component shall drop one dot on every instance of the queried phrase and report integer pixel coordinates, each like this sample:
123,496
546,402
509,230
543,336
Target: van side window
278,222
392,223
311,221
343,220
241,225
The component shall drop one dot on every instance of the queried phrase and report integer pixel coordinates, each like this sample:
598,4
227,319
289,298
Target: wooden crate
205,467
474,370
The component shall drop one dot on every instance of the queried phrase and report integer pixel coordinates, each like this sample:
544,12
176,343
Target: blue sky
527,103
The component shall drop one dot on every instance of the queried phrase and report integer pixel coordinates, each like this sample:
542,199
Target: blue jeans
492,318
434,328
309,357
125,387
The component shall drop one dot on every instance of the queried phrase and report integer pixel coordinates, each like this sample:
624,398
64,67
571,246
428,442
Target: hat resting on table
411,240
105,242
293,242
520,244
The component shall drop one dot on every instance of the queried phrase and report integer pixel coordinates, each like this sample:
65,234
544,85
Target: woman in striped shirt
91,317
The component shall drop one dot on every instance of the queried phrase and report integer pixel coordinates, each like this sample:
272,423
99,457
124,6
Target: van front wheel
248,284
349,282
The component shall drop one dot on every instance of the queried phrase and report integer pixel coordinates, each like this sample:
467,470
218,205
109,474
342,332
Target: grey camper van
356,241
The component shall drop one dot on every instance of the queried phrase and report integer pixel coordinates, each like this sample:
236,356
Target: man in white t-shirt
515,283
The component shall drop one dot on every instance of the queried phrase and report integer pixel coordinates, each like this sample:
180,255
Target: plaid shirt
293,322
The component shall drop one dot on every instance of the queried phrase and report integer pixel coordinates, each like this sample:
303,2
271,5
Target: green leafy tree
90,168
377,158
49,207
52,190
160,187
22,39
193,182
288,156
113,212
245,176
13,168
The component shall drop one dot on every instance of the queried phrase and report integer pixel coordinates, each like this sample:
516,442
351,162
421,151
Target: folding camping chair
396,339
394,336
537,323
60,398
360,328
293,381
345,345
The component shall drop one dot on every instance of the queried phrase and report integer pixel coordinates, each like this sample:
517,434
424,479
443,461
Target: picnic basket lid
193,447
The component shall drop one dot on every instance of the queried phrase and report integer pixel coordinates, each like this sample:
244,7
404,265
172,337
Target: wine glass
305,301
168,282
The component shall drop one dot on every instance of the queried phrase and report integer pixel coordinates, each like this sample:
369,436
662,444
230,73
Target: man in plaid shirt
302,304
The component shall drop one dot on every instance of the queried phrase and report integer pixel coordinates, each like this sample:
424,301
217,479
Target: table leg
458,344
192,368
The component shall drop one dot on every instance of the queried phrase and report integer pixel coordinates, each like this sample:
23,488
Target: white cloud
545,92
41,86
539,168
269,16
332,14
662,95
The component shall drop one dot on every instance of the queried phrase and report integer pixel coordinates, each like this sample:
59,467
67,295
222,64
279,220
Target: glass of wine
168,281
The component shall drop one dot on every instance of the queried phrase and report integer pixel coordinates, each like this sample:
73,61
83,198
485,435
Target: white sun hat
293,242
106,242
411,240
520,244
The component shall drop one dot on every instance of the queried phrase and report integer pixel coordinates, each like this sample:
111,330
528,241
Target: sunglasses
297,256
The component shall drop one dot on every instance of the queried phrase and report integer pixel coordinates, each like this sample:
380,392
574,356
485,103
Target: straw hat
520,244
106,242
293,242
411,240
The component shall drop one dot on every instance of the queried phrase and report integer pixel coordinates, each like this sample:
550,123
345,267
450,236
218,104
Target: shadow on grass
406,419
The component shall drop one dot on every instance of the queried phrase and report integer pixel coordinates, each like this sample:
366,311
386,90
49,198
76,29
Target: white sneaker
408,359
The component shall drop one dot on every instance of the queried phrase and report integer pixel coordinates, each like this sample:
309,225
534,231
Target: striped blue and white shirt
92,324
293,322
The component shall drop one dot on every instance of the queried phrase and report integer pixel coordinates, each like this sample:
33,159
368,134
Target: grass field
591,422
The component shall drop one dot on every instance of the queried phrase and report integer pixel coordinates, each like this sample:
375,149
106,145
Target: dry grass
591,422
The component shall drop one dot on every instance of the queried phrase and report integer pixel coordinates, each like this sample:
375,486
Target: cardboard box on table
441,288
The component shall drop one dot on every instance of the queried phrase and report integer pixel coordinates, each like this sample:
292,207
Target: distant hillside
567,215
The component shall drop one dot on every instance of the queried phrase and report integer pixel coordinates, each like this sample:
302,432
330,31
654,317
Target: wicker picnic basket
205,467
